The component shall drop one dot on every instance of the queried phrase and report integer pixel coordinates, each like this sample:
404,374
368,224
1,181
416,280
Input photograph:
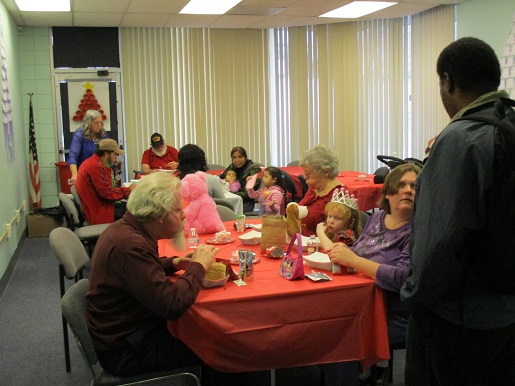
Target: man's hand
181,263
172,165
205,255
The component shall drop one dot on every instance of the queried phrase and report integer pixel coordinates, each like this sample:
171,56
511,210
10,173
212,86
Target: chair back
223,202
364,216
293,163
78,203
290,191
215,167
71,210
73,307
225,213
69,250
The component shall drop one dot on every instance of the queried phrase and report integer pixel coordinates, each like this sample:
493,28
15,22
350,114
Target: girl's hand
271,203
321,227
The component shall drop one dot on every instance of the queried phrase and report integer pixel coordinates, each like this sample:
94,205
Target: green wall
14,173
490,21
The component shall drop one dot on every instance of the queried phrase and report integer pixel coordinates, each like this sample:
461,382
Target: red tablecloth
367,193
274,323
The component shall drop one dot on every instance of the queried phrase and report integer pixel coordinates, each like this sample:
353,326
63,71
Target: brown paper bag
273,231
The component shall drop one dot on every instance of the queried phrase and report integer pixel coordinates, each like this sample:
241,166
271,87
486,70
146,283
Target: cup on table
240,223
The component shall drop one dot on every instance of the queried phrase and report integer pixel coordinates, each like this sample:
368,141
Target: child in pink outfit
232,181
271,196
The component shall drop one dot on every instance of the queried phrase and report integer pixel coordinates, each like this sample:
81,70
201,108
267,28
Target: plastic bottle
312,244
193,239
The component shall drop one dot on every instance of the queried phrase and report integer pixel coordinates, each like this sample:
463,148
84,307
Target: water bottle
312,244
193,239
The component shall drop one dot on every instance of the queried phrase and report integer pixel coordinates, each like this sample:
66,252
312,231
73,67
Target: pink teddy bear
201,212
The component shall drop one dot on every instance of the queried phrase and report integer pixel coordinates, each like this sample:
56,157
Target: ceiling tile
54,19
145,20
97,19
100,5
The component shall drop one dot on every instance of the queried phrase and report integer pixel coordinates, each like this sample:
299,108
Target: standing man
96,186
461,330
130,297
159,156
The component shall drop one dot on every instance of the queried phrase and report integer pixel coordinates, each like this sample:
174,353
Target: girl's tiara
342,196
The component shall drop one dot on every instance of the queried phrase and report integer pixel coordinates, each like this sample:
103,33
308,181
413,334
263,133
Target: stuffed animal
201,212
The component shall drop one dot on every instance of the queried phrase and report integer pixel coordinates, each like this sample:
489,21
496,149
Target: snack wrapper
274,252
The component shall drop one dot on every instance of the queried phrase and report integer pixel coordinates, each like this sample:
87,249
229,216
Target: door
78,90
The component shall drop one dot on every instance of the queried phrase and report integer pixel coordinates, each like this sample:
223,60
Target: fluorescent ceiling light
357,9
209,7
44,6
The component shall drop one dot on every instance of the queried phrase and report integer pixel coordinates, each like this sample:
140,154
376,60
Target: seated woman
320,170
192,159
382,251
244,168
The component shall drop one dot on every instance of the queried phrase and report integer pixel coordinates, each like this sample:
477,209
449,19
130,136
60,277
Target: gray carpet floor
31,340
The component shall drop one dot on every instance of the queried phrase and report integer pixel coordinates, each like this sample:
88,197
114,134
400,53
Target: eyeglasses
308,174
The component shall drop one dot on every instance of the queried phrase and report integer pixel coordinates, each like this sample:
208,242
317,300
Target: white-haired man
130,296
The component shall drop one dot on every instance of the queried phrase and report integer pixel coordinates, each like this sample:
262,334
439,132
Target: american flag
35,185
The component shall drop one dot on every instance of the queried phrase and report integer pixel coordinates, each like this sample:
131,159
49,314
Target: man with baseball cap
159,156
101,198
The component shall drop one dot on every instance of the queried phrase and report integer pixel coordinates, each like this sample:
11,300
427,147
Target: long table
274,323
367,193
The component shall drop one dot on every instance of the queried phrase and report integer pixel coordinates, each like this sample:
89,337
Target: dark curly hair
192,159
278,175
471,64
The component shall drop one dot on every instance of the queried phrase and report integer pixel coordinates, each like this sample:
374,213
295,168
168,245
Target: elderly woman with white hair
85,141
320,166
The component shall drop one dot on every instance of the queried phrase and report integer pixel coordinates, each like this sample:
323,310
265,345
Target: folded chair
73,307
72,258
88,234
215,167
225,213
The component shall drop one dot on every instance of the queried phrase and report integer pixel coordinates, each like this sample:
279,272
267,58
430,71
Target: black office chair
290,192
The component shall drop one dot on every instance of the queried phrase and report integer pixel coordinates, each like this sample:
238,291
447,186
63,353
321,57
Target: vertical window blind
363,88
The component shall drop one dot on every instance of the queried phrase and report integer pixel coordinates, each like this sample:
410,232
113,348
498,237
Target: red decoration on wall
88,102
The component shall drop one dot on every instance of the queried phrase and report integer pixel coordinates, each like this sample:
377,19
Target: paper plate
318,260
216,242
250,238
214,283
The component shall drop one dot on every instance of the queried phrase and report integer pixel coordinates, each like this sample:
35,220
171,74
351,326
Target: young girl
343,223
271,196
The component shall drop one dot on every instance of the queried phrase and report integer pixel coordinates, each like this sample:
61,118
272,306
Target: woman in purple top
382,250
85,140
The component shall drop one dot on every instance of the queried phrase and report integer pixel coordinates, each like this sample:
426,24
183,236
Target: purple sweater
389,248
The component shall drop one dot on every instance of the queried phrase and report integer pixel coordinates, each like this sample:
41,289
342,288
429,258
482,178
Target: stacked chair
73,306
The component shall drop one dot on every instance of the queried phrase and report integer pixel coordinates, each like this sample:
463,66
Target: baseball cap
110,145
156,140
